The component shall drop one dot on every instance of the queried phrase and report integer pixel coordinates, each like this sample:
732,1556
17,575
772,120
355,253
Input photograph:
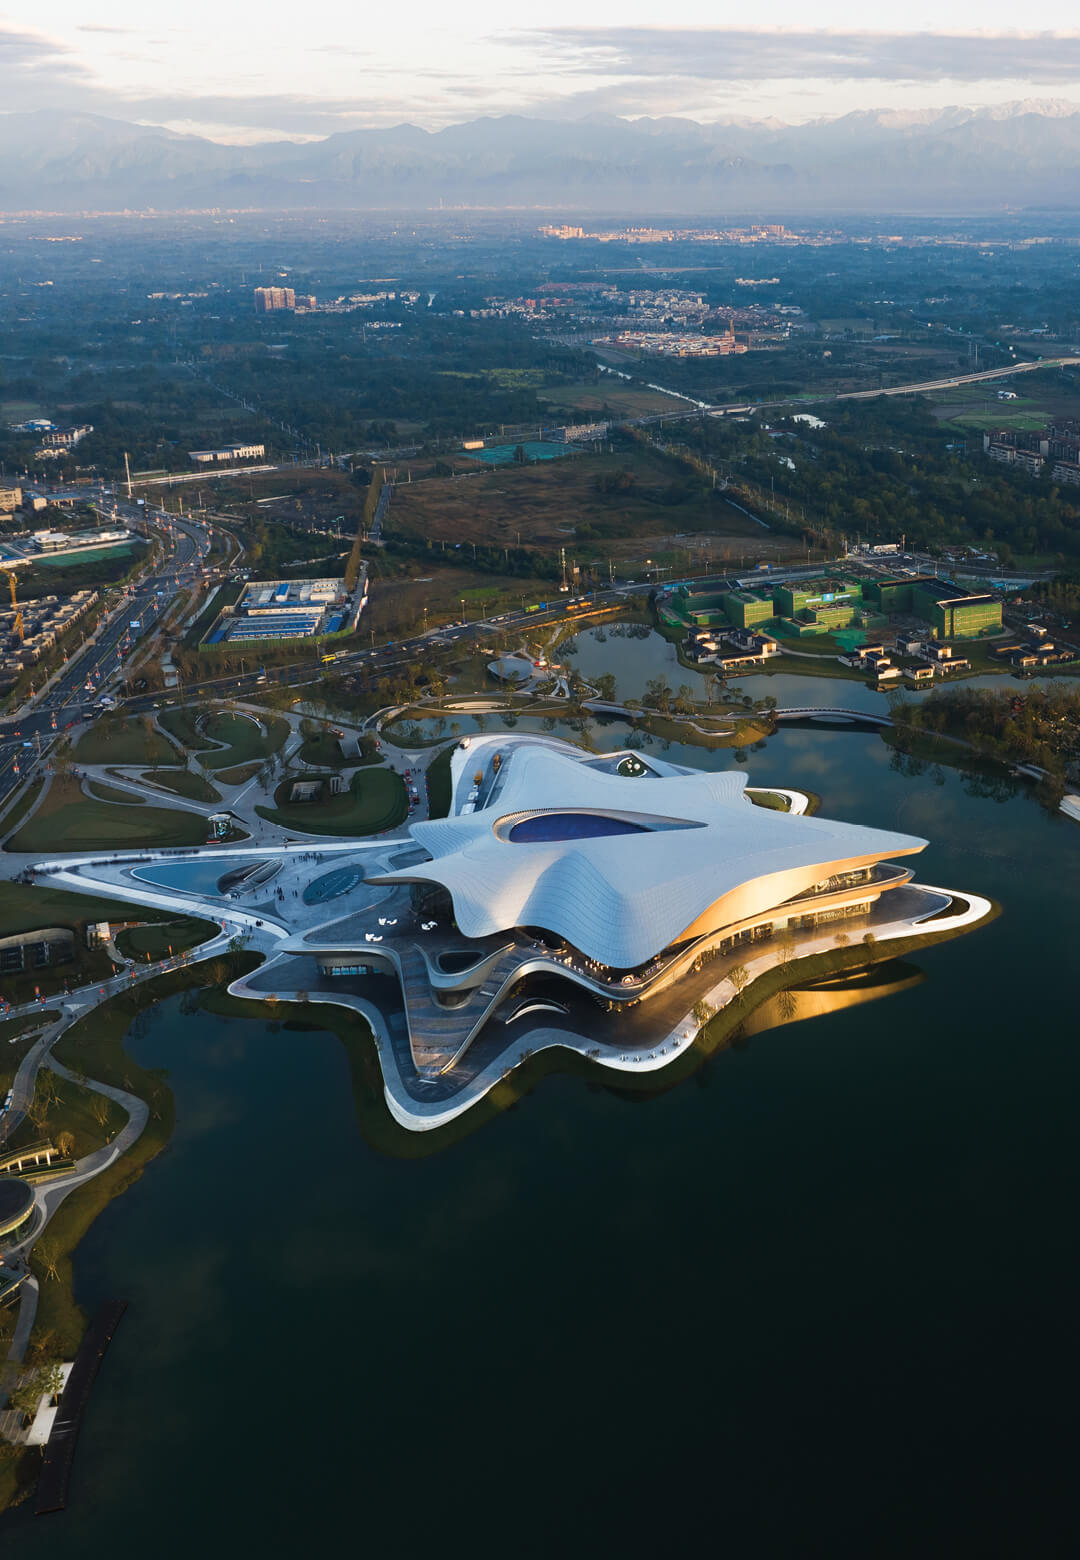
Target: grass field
1002,416
375,801
184,783
323,749
19,808
112,741
238,776
438,784
157,940
25,907
545,505
112,793
67,820
245,743
180,723
624,400
74,1111
17,1035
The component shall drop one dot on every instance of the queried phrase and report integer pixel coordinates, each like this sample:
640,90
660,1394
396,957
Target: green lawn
322,748
67,820
186,932
375,801
1001,417
74,1112
238,776
770,800
19,809
25,908
180,723
245,742
438,784
17,1035
184,783
112,793
119,741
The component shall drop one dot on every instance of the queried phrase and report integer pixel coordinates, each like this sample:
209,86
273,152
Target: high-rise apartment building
269,299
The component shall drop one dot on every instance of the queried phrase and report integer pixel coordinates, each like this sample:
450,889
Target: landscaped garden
67,820
113,740
323,748
375,801
164,938
184,783
243,738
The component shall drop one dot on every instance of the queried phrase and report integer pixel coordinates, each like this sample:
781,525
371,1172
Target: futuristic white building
562,878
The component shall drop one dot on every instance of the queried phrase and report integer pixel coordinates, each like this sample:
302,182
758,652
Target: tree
50,1380
702,1012
65,1143
100,1109
605,686
26,1396
869,942
738,978
658,694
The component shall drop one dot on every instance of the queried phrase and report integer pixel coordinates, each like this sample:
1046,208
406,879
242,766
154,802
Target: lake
817,1299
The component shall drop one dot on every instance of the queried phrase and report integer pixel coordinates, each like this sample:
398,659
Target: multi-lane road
82,679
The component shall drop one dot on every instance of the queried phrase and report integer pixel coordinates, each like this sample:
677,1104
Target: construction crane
15,607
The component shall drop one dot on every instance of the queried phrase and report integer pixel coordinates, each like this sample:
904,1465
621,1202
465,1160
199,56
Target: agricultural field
595,402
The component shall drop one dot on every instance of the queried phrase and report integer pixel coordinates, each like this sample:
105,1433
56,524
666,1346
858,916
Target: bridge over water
833,712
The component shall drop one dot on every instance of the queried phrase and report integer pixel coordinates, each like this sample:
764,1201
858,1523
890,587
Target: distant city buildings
1057,445
681,344
57,441
268,300
757,233
228,452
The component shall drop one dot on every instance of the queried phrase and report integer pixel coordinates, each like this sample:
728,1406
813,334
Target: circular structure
331,884
16,1209
549,826
631,768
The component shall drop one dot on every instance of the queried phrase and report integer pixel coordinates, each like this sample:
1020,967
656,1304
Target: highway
916,387
86,674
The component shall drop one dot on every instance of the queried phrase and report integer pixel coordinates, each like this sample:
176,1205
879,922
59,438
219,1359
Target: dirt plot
594,401
300,498
558,503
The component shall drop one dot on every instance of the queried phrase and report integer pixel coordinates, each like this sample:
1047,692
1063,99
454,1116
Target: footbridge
833,712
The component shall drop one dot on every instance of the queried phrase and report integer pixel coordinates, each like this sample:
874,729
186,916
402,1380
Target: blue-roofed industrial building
291,609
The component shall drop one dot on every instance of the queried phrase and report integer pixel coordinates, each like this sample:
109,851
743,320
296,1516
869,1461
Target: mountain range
953,159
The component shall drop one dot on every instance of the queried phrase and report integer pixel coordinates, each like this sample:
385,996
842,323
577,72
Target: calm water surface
818,1299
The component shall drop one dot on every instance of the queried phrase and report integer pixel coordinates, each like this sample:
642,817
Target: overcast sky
245,73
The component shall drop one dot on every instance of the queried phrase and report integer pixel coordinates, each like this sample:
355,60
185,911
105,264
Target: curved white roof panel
691,840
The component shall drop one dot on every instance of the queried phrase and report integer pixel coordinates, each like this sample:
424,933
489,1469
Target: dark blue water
543,827
818,1299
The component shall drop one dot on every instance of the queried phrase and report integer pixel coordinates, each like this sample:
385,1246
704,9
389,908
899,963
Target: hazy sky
313,66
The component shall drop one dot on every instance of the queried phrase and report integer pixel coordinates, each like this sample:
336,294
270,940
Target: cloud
22,50
101,27
726,54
